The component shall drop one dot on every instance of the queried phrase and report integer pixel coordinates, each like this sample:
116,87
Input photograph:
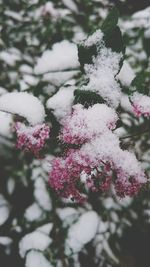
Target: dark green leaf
85,54
141,83
87,98
111,20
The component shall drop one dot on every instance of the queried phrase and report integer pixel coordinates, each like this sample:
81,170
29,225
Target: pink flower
141,105
85,124
31,138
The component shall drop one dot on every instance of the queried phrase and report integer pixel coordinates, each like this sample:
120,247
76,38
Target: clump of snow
61,102
49,10
4,210
36,258
126,74
5,122
70,5
46,228
83,231
41,194
101,75
35,240
5,241
33,213
23,104
95,38
64,55
141,104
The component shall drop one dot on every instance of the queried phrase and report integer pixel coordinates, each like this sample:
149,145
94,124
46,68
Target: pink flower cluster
31,138
141,105
98,162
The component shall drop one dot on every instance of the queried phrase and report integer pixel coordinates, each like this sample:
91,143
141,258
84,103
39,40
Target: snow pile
34,241
82,232
61,102
141,104
63,56
24,105
101,73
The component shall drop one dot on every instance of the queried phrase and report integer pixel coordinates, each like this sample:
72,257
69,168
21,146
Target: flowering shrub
76,103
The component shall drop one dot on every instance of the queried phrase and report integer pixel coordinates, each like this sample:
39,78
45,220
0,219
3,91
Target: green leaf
141,83
85,54
113,39
87,98
111,20
146,44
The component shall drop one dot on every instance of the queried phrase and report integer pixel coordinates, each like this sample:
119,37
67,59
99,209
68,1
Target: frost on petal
83,231
141,104
63,56
35,240
31,138
36,258
24,105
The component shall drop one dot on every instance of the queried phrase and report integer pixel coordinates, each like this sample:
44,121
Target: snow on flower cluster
101,73
85,124
98,161
32,138
141,104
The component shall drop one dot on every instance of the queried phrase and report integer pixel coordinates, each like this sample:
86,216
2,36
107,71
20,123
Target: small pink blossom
31,138
141,105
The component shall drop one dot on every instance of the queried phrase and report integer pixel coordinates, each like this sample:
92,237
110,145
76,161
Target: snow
101,75
141,103
41,194
64,55
35,240
9,57
85,124
126,75
83,231
33,213
5,241
4,210
70,5
36,258
61,102
24,105
58,79
5,122
95,38
46,228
